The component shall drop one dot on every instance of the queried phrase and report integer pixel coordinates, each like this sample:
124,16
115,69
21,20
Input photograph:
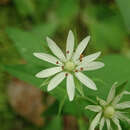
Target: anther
81,68
76,70
66,74
67,52
81,56
62,67
80,60
57,62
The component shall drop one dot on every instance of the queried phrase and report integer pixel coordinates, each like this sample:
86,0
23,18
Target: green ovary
69,66
109,112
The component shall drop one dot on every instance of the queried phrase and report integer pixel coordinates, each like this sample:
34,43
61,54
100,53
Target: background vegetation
24,25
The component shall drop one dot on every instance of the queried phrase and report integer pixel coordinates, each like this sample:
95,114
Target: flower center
69,65
109,112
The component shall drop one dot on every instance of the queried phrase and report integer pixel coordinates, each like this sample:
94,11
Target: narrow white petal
112,92
101,123
70,45
121,116
123,105
85,80
116,121
55,49
56,81
95,108
48,72
126,92
90,58
48,58
117,99
70,87
91,66
108,124
82,45
95,121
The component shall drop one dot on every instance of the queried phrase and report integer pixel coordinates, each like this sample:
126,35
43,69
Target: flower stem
61,105
88,99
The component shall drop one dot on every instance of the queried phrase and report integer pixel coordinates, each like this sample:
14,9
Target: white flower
110,110
70,65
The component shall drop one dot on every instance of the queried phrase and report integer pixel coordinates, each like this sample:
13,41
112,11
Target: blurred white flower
110,110
70,65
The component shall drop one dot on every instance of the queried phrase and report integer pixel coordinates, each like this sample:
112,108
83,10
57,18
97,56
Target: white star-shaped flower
110,110
70,65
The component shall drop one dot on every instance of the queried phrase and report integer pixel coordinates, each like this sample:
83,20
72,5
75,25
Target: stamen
76,70
57,62
66,74
67,52
81,68
62,67
81,56
80,60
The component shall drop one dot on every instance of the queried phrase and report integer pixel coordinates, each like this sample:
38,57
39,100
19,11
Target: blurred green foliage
124,7
24,25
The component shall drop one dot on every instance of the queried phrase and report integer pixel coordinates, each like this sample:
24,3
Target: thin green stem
99,80
61,106
88,99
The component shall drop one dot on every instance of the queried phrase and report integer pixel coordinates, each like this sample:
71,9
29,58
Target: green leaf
55,124
27,43
73,108
51,110
82,124
43,5
116,69
67,10
41,31
124,7
27,73
106,27
25,7
24,72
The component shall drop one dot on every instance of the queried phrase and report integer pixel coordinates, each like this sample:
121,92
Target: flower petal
123,105
70,45
90,58
56,81
95,108
70,87
101,123
117,98
85,80
48,58
116,121
126,92
121,116
82,45
48,72
108,124
91,66
95,121
112,92
55,49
